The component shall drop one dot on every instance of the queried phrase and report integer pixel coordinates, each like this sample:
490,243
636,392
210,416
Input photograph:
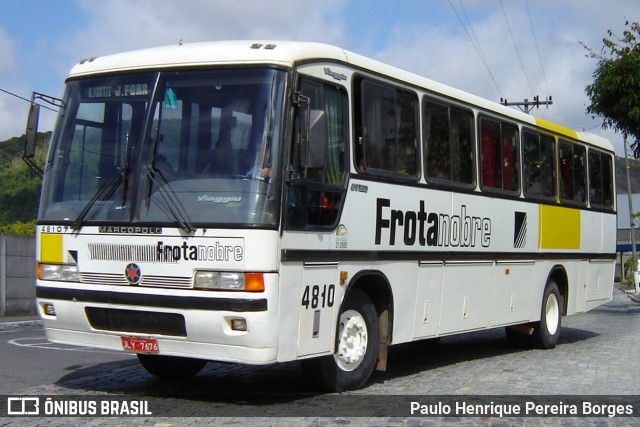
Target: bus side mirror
32,131
317,142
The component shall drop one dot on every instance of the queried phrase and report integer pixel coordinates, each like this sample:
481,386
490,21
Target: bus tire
547,331
356,350
171,367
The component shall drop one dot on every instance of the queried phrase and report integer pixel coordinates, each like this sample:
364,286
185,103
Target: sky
512,49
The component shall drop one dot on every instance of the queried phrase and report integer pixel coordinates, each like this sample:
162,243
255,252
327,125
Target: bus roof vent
269,46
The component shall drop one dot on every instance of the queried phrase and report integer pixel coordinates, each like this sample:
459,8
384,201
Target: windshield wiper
104,193
168,196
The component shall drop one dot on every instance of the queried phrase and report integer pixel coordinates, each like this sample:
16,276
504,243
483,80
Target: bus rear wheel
547,331
356,347
171,367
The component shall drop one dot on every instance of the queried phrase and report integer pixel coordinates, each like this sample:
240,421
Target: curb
634,297
6,326
631,293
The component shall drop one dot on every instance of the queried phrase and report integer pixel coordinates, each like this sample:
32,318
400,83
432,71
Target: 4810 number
317,296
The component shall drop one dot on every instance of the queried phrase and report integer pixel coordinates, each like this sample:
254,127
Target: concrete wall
17,275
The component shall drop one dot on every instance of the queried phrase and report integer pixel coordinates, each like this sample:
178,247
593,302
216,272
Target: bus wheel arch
378,289
362,335
544,333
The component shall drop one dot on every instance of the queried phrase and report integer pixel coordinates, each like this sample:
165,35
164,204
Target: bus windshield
186,148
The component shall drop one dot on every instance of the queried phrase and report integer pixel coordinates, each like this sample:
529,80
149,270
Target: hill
621,175
19,185
10,149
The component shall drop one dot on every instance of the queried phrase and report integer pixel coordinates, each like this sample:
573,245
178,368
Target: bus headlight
229,281
59,272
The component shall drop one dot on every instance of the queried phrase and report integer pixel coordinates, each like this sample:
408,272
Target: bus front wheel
356,347
547,331
171,367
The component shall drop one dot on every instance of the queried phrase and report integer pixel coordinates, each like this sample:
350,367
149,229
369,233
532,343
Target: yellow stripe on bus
559,228
51,248
556,128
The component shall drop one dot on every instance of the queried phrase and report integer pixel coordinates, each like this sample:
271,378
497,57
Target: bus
259,202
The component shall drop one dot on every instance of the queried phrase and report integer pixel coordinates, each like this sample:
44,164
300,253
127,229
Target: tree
615,91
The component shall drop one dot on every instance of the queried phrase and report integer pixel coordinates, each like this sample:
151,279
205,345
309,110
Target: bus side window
447,143
539,165
462,147
499,159
510,163
388,129
572,173
548,165
490,154
437,133
600,181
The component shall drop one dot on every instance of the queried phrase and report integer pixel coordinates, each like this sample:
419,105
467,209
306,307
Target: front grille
146,280
135,321
119,252
166,281
103,279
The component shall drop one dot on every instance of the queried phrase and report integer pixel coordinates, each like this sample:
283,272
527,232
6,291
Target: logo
435,229
342,239
338,76
359,188
132,273
62,405
520,230
23,406
219,199
130,230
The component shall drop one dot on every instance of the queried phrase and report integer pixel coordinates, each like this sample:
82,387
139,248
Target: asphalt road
29,360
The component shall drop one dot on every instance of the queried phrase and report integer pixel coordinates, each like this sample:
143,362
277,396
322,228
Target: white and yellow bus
263,202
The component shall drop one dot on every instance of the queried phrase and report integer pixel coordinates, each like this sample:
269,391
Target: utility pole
526,105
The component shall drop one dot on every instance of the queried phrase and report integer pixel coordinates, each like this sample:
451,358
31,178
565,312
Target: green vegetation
615,91
19,186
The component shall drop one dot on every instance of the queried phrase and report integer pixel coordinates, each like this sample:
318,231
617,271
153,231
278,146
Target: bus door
315,196
316,332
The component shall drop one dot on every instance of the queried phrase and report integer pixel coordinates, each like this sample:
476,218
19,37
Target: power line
25,99
17,96
475,43
515,45
535,40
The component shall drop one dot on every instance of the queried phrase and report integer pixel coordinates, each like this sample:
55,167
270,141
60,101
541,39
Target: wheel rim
552,314
352,340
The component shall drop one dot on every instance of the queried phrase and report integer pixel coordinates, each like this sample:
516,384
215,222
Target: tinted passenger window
499,155
386,131
573,166
448,147
539,165
600,180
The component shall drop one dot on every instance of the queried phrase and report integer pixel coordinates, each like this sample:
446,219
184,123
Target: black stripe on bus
148,300
328,256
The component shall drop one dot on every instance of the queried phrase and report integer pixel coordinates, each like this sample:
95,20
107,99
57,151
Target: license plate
140,345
